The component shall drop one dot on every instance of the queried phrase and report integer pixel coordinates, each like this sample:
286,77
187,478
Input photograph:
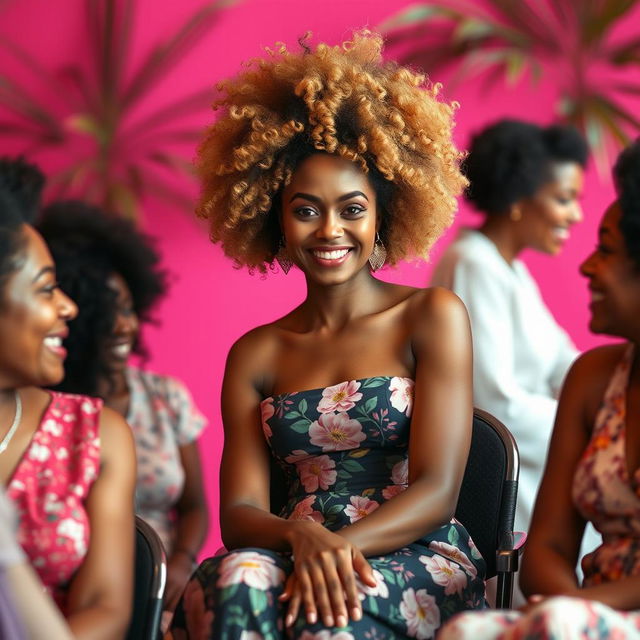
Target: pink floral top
50,486
603,491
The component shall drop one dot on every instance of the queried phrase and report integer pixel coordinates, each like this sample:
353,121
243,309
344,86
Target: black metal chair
149,584
487,501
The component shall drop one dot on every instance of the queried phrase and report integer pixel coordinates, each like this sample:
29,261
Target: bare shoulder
115,434
437,306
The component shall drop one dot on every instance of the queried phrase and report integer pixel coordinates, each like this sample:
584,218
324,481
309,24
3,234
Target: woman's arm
191,525
100,597
556,530
440,429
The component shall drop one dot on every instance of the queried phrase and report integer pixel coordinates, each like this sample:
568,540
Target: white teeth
331,255
54,342
122,350
561,233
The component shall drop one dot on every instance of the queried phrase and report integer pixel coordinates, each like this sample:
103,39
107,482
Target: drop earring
283,259
379,254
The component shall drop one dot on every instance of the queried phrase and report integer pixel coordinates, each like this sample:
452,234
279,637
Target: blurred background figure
526,180
21,592
593,471
113,273
67,464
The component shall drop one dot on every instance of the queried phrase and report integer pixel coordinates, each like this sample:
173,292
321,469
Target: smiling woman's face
33,319
329,218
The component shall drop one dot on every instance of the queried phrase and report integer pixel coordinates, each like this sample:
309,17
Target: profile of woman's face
614,281
548,215
328,218
126,326
33,319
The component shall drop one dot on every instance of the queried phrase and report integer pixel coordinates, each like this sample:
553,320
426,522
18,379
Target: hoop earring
379,254
283,259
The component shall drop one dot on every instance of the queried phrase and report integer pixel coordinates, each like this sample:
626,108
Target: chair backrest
149,584
487,502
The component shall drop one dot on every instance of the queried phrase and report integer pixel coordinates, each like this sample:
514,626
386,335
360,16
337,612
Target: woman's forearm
191,529
408,516
249,526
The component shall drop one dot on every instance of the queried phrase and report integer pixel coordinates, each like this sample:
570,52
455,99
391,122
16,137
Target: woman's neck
502,231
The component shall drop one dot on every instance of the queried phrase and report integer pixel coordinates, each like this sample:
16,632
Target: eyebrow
47,269
346,196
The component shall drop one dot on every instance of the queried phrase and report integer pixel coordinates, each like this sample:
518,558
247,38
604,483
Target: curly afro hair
21,187
88,246
343,100
512,159
626,174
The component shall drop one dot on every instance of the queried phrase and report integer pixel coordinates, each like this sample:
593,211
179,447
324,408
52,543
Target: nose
126,323
68,309
576,213
330,226
586,268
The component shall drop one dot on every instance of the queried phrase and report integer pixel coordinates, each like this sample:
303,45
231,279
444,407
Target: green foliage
87,113
509,39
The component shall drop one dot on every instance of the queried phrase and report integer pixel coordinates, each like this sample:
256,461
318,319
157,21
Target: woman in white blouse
526,180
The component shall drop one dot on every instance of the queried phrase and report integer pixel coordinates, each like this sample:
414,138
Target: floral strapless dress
343,450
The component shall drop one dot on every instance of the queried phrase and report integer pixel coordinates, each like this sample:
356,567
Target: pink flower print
360,507
296,456
326,635
453,553
199,620
254,569
266,411
317,472
400,472
303,511
380,590
445,573
392,490
336,432
421,613
251,635
340,397
401,394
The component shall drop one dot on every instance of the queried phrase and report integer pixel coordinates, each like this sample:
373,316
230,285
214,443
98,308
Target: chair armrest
507,563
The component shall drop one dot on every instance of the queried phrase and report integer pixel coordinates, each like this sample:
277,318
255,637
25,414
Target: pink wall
211,304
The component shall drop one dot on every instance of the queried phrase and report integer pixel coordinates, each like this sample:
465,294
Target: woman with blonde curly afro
358,402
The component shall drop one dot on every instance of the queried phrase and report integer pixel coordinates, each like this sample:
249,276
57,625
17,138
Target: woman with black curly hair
526,180
337,162
593,469
112,271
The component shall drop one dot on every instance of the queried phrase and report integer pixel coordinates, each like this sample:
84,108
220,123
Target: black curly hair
626,175
511,159
88,245
21,185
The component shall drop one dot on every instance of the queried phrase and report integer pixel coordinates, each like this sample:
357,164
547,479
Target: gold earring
378,255
283,259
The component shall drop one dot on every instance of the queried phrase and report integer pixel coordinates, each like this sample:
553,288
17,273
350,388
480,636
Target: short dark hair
626,175
511,159
88,246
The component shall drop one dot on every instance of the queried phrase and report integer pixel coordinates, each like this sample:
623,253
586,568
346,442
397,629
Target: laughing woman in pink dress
67,464
593,470
337,162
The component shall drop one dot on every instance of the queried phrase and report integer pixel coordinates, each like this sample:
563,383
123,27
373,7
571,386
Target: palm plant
88,113
572,40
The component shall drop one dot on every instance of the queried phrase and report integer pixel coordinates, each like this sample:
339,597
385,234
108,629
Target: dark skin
542,221
191,509
329,220
557,527
33,311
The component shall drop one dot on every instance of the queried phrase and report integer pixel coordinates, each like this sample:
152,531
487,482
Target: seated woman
337,162
526,181
593,470
112,272
67,464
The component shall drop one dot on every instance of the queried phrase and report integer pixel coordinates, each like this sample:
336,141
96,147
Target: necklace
14,425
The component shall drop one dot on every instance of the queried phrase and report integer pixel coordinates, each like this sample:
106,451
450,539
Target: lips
54,344
330,256
121,350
